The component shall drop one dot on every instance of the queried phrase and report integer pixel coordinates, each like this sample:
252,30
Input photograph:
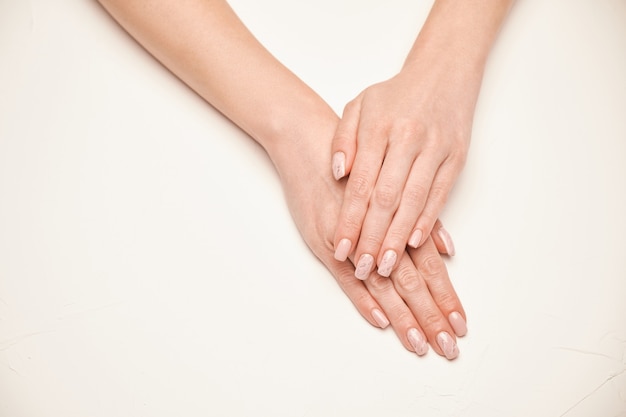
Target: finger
439,191
432,268
410,281
414,195
357,293
343,148
436,237
359,188
402,319
383,204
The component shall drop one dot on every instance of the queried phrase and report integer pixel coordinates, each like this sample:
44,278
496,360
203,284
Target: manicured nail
364,267
339,165
417,341
447,344
458,324
415,238
447,241
343,250
389,260
380,318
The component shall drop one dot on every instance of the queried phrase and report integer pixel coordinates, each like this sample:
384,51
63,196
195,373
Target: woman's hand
418,301
404,141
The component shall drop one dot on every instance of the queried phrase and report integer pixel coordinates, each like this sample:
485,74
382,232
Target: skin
404,141
207,47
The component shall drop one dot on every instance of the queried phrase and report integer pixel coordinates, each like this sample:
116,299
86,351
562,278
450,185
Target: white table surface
137,279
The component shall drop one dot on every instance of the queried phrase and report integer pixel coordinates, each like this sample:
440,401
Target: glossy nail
339,165
343,250
389,260
458,324
364,267
417,341
415,238
447,241
380,318
448,345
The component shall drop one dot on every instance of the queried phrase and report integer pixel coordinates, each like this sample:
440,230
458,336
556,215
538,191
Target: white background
149,266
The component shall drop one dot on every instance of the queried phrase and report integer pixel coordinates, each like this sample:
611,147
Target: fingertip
387,263
343,249
447,241
416,238
380,318
448,345
339,165
417,341
458,323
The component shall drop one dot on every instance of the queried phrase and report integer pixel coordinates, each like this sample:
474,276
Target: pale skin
207,46
404,141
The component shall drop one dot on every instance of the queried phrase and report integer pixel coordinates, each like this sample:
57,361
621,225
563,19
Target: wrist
299,141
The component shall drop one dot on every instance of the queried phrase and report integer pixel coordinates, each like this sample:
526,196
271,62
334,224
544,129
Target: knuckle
360,187
439,194
407,280
448,299
396,236
386,196
378,284
371,241
431,266
342,137
415,195
430,319
401,314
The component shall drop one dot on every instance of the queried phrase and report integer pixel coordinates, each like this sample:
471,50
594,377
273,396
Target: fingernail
364,267
447,241
389,260
415,238
417,341
343,250
380,318
458,324
339,165
447,344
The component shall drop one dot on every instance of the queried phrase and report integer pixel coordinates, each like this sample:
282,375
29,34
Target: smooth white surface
141,233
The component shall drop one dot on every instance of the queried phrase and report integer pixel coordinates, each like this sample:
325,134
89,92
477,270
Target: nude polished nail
458,324
386,265
448,345
447,241
417,340
339,165
343,250
364,267
380,318
416,238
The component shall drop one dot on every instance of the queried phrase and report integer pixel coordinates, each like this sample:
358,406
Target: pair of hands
400,140
418,299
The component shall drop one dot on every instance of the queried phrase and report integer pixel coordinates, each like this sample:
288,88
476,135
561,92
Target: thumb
344,142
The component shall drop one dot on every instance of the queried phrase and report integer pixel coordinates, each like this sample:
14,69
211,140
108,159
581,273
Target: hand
403,142
418,301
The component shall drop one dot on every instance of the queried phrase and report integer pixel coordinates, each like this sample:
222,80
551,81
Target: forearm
463,29
456,39
205,44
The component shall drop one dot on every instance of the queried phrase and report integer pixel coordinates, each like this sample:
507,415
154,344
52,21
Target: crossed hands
418,299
